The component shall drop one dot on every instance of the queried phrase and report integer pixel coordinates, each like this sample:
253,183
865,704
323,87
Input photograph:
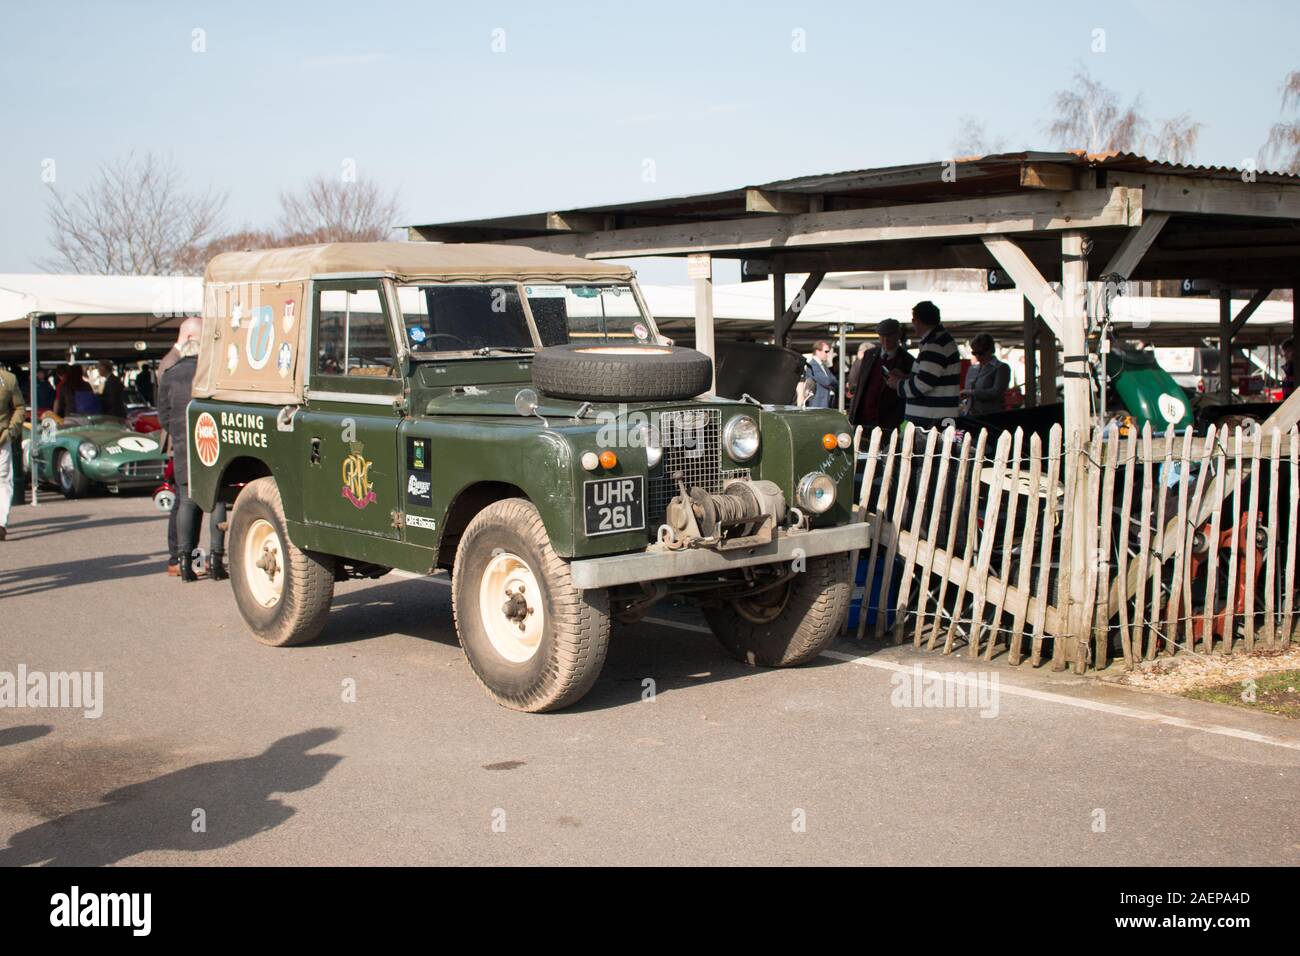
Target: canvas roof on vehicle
407,261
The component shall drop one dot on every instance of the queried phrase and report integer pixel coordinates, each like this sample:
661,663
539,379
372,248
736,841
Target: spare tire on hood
632,373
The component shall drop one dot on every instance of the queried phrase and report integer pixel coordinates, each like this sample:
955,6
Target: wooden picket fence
1188,542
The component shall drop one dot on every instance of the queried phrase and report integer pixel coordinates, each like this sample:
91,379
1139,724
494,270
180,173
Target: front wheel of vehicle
789,624
72,482
534,641
283,592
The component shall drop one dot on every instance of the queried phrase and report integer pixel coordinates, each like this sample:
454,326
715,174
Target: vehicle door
353,409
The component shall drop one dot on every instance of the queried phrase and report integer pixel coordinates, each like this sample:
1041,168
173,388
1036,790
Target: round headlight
87,450
816,492
648,438
741,438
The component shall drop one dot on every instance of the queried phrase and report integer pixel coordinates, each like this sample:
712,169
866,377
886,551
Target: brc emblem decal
357,487
207,443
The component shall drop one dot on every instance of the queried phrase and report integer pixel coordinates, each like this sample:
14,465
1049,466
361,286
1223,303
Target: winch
745,513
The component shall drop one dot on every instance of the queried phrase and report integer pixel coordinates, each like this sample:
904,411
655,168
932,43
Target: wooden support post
1074,274
1295,318
843,330
787,316
700,269
1048,367
1225,345
1031,347
782,331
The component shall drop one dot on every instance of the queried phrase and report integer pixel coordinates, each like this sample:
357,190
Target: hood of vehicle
111,439
499,401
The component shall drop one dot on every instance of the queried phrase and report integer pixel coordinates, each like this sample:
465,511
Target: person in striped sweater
931,389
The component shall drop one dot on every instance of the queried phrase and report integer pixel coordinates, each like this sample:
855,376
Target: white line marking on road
1117,710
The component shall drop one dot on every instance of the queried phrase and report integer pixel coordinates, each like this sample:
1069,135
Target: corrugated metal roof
993,173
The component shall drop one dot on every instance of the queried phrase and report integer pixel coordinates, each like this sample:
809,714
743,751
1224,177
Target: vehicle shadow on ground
675,659
234,795
401,606
37,518
24,581
25,530
20,735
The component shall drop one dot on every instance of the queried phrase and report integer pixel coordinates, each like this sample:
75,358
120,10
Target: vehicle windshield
587,312
486,318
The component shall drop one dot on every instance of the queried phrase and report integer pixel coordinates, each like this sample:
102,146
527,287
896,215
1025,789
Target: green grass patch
1275,693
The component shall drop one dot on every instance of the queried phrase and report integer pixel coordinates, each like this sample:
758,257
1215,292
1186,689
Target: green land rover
511,417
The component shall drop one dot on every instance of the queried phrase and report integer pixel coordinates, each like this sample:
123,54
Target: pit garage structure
46,317
1069,229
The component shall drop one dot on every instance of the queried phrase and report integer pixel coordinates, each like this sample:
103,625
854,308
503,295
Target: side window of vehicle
353,336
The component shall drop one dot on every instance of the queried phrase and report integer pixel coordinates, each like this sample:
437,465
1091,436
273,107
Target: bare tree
194,259
1091,116
135,218
337,210
973,140
1176,141
1282,151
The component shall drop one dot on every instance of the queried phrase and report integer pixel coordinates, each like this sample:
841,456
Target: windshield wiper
508,349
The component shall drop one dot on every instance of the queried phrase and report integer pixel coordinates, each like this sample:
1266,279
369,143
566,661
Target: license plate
614,505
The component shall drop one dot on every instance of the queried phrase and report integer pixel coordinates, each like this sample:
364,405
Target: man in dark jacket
112,397
874,402
174,392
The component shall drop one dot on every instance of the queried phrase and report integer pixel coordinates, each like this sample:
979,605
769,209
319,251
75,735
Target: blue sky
584,93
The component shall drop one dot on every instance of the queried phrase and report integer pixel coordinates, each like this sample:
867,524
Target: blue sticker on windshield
417,334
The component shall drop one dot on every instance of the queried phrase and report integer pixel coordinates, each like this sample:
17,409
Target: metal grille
141,469
692,444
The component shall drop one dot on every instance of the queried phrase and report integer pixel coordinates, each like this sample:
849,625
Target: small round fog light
816,492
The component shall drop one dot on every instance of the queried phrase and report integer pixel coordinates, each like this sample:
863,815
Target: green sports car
82,451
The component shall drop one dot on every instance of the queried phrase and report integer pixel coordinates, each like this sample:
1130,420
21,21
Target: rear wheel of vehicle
789,624
534,641
71,481
283,592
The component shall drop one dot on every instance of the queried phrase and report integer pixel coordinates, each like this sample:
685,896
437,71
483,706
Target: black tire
307,585
72,482
573,636
622,372
806,615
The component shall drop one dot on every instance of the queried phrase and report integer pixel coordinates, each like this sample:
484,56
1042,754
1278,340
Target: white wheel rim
508,597
264,563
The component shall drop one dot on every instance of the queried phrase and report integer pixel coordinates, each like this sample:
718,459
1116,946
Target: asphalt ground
212,749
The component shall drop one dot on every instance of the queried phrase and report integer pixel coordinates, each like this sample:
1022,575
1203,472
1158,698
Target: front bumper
594,573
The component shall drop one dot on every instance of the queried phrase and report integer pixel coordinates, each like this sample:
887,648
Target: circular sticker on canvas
641,332
417,334
284,359
232,359
207,443
1172,408
290,314
136,443
261,336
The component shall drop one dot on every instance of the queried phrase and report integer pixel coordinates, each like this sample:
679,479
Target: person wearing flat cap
874,402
